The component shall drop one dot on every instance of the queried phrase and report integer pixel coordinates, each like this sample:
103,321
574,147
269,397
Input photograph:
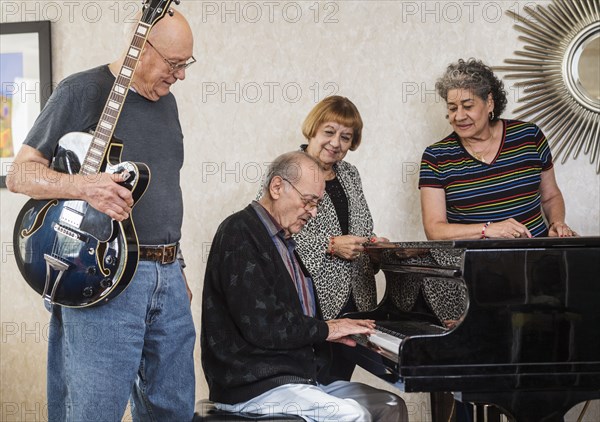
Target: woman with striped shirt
491,177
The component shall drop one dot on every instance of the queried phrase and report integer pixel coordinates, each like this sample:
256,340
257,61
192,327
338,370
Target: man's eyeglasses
174,67
310,201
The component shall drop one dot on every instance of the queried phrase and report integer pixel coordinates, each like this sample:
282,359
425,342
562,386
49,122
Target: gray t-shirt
150,133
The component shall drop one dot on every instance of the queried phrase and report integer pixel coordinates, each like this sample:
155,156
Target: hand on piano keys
341,330
387,340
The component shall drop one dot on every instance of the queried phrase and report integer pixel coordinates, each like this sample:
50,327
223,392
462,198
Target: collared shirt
286,248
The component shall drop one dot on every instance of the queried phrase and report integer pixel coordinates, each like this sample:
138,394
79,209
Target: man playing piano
263,340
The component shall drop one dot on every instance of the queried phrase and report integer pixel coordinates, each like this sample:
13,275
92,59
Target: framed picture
25,84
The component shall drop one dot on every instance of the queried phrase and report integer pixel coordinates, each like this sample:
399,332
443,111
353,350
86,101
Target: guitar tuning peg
171,12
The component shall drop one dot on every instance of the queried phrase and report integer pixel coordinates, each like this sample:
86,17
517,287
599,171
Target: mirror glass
583,67
588,67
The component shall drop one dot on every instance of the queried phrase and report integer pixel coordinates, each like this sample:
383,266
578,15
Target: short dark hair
475,76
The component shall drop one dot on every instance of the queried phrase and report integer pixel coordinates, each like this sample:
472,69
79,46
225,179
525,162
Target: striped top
507,187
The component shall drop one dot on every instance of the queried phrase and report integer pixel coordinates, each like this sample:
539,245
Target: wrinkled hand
340,330
103,192
560,229
375,256
507,229
348,246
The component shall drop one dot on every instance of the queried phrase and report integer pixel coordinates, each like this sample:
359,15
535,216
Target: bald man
140,344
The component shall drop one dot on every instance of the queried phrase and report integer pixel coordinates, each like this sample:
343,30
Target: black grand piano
528,341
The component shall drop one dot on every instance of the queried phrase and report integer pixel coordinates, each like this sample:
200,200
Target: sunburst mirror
559,76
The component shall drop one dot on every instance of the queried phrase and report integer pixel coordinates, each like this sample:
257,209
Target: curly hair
334,109
473,75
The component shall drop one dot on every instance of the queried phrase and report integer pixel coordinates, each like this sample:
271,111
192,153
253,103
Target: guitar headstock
155,10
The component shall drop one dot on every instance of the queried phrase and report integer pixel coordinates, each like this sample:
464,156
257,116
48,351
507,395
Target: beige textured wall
261,67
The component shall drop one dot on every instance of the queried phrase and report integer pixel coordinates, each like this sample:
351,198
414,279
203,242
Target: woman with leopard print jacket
331,245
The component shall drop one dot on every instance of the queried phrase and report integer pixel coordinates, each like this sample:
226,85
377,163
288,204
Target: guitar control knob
105,283
88,292
91,270
91,251
109,259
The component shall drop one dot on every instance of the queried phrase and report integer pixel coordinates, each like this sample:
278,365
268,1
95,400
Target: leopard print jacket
447,298
337,279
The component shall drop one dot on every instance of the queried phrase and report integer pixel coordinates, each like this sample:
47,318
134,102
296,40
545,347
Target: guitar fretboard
112,109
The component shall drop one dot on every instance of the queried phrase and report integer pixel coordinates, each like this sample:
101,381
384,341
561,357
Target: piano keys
528,336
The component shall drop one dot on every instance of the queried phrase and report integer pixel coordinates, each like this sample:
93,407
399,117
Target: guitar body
67,251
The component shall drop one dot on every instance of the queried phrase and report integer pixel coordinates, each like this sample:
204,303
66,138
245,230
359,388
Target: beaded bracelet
331,250
485,226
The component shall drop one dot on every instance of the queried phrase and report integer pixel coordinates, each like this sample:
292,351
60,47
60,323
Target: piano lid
530,332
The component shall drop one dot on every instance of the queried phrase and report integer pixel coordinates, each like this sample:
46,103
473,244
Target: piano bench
207,412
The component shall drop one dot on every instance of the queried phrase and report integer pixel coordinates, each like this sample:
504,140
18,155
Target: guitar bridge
56,264
69,233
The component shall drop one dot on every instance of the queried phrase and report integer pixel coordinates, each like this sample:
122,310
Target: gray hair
475,76
288,166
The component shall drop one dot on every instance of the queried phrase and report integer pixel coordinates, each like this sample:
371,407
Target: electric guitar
67,251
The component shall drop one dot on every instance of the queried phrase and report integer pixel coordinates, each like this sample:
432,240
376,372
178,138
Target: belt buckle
164,254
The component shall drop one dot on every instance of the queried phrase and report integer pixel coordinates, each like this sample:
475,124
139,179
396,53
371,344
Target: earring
492,115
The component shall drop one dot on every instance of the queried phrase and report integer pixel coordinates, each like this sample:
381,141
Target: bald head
172,30
169,47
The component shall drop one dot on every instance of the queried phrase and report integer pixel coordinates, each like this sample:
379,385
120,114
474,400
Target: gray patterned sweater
254,335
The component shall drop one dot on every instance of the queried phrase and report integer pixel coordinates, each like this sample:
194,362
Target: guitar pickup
71,217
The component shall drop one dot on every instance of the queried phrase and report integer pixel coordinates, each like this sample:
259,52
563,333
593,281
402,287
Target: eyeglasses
174,67
309,203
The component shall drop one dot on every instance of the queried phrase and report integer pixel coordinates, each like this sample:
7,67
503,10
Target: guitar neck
116,99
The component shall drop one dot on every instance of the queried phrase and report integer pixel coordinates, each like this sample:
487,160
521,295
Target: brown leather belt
165,254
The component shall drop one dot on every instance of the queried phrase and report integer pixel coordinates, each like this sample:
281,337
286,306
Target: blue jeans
138,345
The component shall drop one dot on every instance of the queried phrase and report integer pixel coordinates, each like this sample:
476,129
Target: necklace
480,156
